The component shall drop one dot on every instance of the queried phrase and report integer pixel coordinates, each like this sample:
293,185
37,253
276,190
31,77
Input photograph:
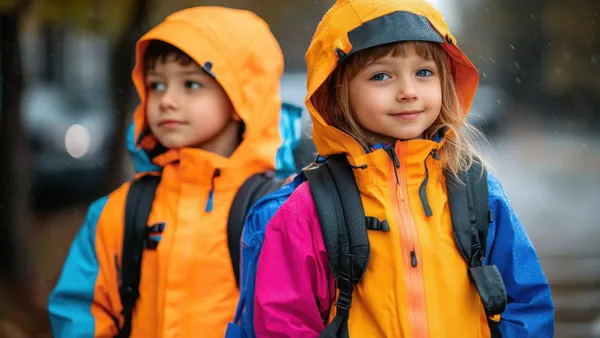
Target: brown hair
332,101
158,50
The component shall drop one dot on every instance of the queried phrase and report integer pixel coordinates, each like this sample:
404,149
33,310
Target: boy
208,80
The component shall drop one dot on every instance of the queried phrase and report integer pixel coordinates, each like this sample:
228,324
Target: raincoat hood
248,66
354,25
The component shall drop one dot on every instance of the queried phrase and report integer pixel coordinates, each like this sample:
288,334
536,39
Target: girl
388,87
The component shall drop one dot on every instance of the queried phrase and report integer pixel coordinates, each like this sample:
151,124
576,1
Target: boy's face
188,108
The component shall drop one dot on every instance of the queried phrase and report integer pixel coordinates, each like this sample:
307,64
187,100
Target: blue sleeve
530,310
70,303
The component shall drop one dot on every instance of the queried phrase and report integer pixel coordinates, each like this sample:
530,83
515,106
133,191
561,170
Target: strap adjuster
345,295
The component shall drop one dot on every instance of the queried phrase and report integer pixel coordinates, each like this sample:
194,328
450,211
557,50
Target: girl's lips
407,115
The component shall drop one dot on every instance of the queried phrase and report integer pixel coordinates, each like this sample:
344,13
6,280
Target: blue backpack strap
249,193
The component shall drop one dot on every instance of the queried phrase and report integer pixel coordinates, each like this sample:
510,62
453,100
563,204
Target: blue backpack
344,227
253,236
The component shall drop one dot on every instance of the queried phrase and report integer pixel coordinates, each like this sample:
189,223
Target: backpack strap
343,225
253,189
469,208
137,209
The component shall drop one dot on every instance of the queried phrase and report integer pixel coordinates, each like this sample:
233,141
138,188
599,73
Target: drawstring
423,188
211,193
396,161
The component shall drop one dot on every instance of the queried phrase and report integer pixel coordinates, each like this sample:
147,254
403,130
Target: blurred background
66,99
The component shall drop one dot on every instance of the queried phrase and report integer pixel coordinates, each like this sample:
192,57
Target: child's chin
408,135
175,144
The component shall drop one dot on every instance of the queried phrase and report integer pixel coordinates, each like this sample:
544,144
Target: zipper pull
435,154
392,153
413,259
211,193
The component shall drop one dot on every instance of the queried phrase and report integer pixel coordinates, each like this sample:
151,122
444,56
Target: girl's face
396,98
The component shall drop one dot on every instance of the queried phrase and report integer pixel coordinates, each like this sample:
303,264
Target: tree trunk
122,61
17,274
14,173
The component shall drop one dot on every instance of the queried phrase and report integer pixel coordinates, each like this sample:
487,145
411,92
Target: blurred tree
13,150
16,270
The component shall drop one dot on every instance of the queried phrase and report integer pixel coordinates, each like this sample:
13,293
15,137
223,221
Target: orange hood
353,25
248,66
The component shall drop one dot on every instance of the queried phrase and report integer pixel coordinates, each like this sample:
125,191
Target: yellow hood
353,25
248,66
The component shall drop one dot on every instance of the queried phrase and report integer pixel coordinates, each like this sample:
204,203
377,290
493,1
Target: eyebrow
381,61
387,61
179,72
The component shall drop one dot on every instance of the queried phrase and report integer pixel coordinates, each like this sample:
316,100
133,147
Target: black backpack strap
343,225
468,199
137,209
253,189
469,208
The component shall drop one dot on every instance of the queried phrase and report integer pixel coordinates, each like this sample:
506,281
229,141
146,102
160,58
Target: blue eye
193,85
424,73
157,86
380,77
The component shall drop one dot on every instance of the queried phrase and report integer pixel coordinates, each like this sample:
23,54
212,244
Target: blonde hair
332,101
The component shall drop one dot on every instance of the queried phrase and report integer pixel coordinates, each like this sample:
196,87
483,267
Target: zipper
211,193
409,247
392,153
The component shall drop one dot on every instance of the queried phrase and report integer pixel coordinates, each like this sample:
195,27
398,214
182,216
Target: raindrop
484,75
594,60
549,44
511,46
493,60
583,144
517,65
518,80
499,102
